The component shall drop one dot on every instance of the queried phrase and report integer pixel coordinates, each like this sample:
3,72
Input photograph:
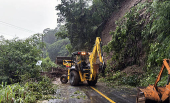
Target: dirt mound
134,69
55,73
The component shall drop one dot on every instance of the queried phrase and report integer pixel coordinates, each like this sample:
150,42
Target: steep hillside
138,41
110,25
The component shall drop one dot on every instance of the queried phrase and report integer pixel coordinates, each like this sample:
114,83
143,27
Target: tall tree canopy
84,20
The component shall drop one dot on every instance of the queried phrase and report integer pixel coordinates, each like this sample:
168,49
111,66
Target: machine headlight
83,53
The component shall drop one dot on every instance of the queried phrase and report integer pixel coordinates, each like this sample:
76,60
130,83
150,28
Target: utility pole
42,46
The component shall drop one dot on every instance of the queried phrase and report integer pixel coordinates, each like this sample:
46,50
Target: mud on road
85,94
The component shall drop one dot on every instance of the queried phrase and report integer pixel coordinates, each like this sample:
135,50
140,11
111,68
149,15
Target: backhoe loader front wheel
92,83
63,79
74,78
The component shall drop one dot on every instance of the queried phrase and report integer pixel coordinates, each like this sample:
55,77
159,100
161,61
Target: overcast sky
23,18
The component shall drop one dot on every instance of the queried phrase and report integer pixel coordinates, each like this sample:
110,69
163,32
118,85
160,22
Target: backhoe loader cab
80,61
78,56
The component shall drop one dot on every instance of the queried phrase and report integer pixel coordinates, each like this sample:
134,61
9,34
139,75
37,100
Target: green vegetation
29,92
18,57
18,69
118,78
47,64
143,33
79,95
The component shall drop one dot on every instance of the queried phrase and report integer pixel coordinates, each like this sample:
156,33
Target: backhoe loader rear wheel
93,83
63,79
74,78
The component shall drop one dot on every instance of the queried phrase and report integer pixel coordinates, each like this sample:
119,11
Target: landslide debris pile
55,73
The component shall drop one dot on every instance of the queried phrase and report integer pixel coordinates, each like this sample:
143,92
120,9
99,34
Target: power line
6,34
17,27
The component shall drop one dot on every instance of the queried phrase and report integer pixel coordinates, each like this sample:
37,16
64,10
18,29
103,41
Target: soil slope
125,7
110,25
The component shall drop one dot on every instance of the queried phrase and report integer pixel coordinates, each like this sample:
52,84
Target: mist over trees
54,46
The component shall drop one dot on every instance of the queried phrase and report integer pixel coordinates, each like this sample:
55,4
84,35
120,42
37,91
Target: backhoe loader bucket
151,97
59,60
153,93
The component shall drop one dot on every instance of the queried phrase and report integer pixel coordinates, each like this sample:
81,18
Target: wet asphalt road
85,94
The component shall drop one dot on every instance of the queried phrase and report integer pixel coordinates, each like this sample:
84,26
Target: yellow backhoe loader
83,67
153,93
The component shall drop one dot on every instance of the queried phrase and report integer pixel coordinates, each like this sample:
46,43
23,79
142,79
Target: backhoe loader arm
165,64
97,50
